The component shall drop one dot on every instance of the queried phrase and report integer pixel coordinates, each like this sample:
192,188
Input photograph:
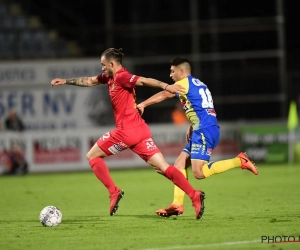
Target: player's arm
86,81
156,98
174,88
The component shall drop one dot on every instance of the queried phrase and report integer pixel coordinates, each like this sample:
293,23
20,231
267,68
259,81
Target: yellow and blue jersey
197,103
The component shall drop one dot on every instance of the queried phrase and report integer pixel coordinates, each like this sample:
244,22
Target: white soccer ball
50,216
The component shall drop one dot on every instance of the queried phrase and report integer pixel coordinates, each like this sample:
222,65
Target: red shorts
138,139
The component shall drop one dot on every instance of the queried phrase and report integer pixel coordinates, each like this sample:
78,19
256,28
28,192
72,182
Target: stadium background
247,52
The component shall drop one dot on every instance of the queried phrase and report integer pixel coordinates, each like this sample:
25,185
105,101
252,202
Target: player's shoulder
123,73
196,81
183,81
124,77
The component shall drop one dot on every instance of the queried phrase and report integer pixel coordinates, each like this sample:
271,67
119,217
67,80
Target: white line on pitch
205,245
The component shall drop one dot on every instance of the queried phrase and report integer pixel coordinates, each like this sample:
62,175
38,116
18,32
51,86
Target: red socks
179,180
102,172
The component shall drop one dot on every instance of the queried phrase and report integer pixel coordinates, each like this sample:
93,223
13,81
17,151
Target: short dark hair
115,54
179,60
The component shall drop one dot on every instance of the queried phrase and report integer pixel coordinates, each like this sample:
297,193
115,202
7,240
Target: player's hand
140,109
175,89
58,81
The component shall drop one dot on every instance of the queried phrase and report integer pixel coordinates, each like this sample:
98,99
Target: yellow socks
208,169
178,193
218,167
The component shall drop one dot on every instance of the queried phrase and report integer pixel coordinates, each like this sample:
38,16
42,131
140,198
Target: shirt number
207,101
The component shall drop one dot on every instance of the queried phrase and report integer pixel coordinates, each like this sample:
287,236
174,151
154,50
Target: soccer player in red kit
131,130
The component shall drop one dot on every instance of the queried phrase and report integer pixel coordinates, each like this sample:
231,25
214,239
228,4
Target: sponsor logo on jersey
120,146
184,105
116,148
209,151
197,148
113,150
211,112
132,78
150,144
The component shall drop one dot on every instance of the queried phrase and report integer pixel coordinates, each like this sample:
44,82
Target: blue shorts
202,142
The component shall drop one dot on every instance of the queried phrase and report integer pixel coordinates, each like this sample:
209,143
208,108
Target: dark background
255,79
79,20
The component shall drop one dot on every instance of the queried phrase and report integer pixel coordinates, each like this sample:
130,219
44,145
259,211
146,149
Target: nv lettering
58,103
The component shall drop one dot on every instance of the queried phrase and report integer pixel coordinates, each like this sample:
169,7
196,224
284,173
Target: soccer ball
50,216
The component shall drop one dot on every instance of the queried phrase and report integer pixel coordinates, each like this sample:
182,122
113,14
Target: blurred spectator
16,162
13,122
178,115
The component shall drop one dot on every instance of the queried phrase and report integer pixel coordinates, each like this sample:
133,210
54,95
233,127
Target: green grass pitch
240,208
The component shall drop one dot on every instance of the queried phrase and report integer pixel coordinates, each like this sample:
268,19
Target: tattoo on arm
81,81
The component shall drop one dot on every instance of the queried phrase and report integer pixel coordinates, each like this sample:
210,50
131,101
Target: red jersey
122,96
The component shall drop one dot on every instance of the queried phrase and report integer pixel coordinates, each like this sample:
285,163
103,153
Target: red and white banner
65,150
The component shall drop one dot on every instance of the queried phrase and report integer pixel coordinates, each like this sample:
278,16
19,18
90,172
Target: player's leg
209,139
182,163
203,141
173,174
176,208
193,149
149,152
217,167
101,149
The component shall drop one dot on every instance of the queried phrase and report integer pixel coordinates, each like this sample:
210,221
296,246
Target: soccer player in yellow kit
202,136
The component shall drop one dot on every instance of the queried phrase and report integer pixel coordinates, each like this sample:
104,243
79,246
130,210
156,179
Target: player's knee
198,174
89,156
92,154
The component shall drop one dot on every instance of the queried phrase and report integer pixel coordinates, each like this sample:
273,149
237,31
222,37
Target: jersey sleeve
127,80
184,83
102,78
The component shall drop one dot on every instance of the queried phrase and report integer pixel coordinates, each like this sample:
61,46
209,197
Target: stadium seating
23,37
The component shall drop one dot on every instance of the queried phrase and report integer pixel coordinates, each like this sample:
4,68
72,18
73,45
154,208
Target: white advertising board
24,73
58,107
65,150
